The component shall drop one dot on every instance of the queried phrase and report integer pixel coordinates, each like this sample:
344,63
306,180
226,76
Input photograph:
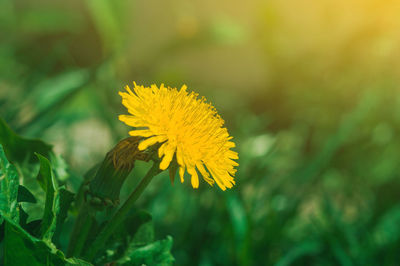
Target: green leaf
137,230
66,198
24,195
8,189
20,248
305,248
239,222
105,20
156,253
33,227
23,216
387,231
135,241
49,184
49,96
88,176
144,235
19,149
59,166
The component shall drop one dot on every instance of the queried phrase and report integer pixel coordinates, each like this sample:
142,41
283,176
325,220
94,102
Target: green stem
81,230
119,216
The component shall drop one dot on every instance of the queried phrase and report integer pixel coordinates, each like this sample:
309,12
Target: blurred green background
309,90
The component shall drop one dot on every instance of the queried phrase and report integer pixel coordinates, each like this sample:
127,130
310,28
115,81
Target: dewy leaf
48,183
20,248
8,189
156,253
24,195
19,149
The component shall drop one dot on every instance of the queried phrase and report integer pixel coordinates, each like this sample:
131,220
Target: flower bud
104,188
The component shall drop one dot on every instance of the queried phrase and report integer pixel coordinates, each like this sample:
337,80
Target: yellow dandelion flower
184,126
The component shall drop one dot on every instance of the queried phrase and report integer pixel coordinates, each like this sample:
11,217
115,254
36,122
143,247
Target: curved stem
119,216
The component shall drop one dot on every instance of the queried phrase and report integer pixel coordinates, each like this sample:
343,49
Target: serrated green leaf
59,166
33,227
144,235
24,195
88,176
138,228
19,149
52,205
66,198
138,244
136,231
156,253
20,248
8,188
23,216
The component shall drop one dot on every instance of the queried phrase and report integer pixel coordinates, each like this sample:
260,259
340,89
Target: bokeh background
309,90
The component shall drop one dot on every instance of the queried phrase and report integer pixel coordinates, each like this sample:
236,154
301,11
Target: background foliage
309,90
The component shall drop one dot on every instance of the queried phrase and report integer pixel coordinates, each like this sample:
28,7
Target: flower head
186,128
